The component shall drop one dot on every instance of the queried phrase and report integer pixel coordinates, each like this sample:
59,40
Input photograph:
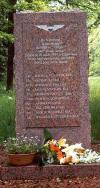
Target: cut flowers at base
59,152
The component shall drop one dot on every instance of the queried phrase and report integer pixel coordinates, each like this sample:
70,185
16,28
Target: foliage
7,112
92,7
94,84
21,145
95,68
47,136
6,6
34,5
3,36
94,51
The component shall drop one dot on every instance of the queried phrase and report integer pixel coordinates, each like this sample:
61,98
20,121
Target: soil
50,183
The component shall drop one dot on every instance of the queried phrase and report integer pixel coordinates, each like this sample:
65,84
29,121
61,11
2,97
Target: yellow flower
45,145
70,163
79,150
62,142
77,161
80,153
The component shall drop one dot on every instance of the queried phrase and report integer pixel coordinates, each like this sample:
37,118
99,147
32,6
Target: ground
50,183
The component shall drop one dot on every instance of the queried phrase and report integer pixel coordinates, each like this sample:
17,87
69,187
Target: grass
94,85
7,110
7,113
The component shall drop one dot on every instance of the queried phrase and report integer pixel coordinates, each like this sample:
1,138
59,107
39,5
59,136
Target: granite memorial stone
51,65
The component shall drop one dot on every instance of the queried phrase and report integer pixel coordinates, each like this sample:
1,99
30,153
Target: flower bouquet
59,152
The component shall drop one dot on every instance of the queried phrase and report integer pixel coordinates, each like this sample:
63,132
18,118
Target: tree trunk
66,1
10,47
10,66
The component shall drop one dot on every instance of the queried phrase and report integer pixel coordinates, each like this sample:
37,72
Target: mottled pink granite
49,171
51,66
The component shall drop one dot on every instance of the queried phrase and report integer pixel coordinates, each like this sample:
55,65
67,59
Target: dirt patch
3,158
53,183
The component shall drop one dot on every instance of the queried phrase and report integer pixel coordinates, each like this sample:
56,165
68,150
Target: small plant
21,145
69,175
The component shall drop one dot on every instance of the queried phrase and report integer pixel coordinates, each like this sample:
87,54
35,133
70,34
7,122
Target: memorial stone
51,65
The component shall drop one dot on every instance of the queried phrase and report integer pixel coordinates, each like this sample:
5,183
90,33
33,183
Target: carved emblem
50,28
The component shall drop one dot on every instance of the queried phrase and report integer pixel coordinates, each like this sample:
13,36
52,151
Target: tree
34,5
10,45
92,7
12,6
3,37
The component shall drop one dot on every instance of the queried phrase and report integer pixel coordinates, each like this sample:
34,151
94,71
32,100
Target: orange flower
57,149
59,155
52,147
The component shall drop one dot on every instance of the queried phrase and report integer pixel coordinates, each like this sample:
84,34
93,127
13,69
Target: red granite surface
73,38
50,171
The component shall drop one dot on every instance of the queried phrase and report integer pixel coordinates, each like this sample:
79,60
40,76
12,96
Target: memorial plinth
51,65
49,171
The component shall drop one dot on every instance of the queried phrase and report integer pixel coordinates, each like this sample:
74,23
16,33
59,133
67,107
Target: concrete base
49,171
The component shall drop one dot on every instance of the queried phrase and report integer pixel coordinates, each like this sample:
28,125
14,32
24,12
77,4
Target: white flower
75,158
50,160
78,146
13,139
62,160
68,149
24,140
54,141
90,157
10,98
36,137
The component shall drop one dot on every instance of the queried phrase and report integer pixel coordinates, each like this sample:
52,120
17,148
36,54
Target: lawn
7,113
94,87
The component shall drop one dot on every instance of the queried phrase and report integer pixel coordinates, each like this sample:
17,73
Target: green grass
7,113
7,110
94,85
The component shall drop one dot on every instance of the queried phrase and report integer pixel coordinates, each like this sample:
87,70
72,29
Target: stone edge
49,171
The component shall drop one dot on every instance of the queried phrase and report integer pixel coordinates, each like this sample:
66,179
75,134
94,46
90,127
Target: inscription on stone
54,53
51,86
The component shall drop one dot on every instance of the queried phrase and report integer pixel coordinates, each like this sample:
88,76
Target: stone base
49,171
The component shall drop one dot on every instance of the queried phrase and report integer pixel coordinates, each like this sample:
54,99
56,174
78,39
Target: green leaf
47,135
